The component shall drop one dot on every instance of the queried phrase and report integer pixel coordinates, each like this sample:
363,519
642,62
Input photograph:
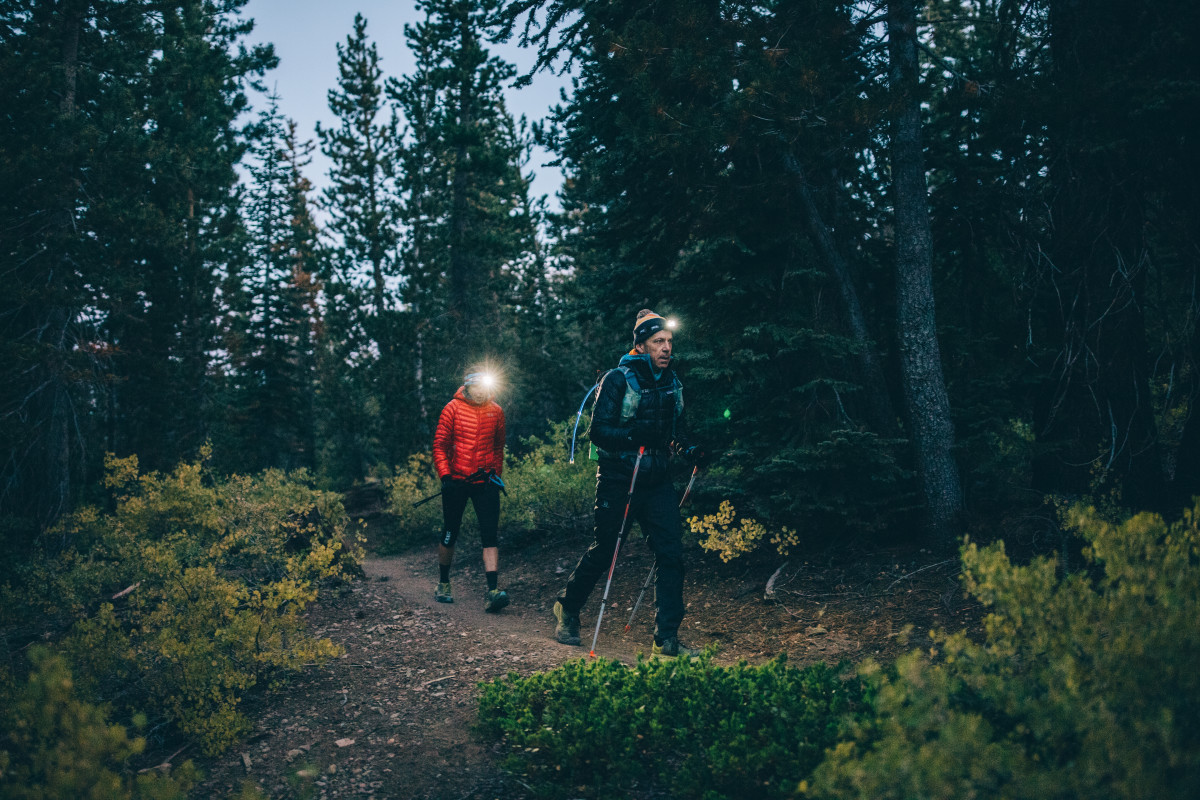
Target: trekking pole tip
592,654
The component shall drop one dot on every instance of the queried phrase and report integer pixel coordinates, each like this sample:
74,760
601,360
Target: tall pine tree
165,330
364,361
468,210
271,321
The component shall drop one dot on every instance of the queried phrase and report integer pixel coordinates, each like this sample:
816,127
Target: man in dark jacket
640,406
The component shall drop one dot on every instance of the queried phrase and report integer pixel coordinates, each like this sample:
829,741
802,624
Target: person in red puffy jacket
468,452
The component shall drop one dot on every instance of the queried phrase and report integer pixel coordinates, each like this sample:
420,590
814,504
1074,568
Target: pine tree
365,340
163,400
272,307
362,200
1122,86
45,282
703,143
468,207
118,148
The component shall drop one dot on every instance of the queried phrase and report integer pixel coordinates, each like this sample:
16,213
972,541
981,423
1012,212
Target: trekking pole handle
688,490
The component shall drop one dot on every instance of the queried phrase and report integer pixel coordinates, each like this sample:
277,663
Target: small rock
344,742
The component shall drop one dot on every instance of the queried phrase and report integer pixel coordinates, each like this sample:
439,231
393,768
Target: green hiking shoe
672,648
443,593
567,629
494,600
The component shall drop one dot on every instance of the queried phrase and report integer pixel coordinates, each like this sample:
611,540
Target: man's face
659,348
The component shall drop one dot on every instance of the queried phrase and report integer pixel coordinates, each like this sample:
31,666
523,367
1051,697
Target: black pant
656,510
485,497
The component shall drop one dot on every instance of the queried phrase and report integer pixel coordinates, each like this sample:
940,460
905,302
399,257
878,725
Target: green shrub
696,729
1084,686
545,493
55,745
415,481
190,592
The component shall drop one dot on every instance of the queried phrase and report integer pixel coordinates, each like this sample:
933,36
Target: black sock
445,570
491,578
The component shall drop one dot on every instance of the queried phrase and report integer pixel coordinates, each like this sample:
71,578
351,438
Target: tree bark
927,407
58,318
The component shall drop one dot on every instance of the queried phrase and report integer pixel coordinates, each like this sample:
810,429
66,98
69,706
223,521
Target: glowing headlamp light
483,380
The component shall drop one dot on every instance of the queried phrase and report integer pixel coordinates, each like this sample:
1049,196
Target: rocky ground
394,716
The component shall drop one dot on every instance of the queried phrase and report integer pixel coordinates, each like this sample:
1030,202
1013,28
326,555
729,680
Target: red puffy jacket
469,438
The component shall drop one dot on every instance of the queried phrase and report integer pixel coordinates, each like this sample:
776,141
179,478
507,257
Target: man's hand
697,455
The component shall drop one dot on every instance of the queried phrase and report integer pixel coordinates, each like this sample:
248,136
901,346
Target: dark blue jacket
633,408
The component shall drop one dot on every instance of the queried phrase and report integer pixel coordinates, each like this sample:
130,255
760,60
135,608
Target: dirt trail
394,716
406,689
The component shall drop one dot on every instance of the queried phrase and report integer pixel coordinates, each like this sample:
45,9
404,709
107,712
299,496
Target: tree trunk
927,407
58,317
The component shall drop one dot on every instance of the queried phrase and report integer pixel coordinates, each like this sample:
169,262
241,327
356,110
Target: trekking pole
650,576
426,500
616,549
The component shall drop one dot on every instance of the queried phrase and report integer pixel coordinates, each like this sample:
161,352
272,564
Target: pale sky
306,33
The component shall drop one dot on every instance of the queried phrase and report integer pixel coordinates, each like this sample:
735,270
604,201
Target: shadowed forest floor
394,716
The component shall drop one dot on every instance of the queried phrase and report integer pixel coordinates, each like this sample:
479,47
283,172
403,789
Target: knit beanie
648,323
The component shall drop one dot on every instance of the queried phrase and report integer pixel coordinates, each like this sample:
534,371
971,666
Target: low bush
1085,685
693,729
189,593
55,745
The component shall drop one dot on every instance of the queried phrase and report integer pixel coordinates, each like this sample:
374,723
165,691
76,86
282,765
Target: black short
485,497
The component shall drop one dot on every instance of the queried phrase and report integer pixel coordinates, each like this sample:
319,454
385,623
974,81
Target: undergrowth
172,606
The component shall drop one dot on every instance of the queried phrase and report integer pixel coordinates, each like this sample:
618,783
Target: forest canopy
934,266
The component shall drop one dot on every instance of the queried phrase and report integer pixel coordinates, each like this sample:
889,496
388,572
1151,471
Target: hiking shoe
567,629
443,593
672,648
494,600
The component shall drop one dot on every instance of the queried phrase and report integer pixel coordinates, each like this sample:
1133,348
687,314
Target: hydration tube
575,432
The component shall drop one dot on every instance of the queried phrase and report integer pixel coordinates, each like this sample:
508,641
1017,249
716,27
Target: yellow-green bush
545,492
191,591
413,482
55,745
1084,686
718,532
